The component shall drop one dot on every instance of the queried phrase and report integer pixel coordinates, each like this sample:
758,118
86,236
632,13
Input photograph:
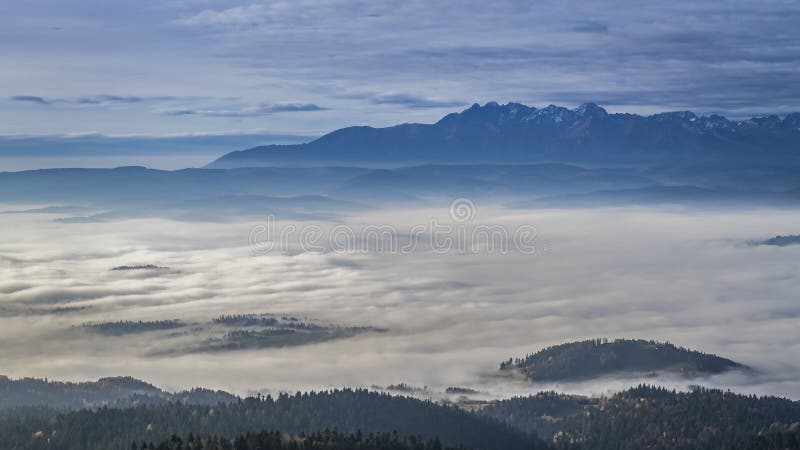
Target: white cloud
683,276
249,15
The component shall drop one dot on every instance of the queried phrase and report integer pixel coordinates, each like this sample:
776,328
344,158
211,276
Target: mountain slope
347,411
649,417
513,133
116,391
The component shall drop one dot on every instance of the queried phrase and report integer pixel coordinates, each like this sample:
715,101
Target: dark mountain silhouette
515,133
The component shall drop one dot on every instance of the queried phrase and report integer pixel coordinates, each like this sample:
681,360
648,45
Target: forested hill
655,418
347,411
113,391
782,241
598,357
642,417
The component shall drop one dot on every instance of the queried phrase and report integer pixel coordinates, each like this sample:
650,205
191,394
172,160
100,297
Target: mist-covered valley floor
429,319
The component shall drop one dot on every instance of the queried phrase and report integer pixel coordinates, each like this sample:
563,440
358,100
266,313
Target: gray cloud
649,45
411,101
250,111
103,99
413,59
30,98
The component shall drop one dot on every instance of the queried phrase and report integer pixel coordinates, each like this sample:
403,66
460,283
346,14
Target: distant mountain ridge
516,133
97,195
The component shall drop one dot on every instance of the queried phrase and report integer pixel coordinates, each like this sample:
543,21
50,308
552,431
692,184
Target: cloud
251,111
249,15
281,14
692,50
30,98
292,107
103,99
412,101
677,276
730,57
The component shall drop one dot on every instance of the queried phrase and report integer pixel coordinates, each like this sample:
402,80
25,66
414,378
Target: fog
685,276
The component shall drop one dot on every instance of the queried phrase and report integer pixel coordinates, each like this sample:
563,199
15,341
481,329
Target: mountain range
515,133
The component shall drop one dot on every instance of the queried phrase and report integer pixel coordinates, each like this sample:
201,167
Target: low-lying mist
679,275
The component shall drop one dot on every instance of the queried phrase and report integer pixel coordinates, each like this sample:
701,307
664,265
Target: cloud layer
635,272
250,111
415,60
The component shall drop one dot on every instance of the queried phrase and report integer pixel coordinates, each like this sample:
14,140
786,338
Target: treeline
650,417
642,417
59,394
139,267
595,357
252,320
253,339
347,411
132,326
115,391
326,440
460,390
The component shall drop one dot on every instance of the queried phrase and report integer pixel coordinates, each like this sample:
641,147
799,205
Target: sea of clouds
685,276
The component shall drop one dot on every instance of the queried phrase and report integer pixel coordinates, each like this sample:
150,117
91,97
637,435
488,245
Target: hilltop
598,357
110,391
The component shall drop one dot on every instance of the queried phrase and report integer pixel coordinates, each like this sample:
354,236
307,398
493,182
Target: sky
303,68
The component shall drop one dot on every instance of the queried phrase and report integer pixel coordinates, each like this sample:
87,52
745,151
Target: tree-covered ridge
782,241
346,410
114,391
642,417
122,327
325,440
259,331
461,390
263,319
597,357
278,337
59,394
648,417
140,267
229,332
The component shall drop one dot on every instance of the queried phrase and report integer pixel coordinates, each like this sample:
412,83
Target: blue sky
168,67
